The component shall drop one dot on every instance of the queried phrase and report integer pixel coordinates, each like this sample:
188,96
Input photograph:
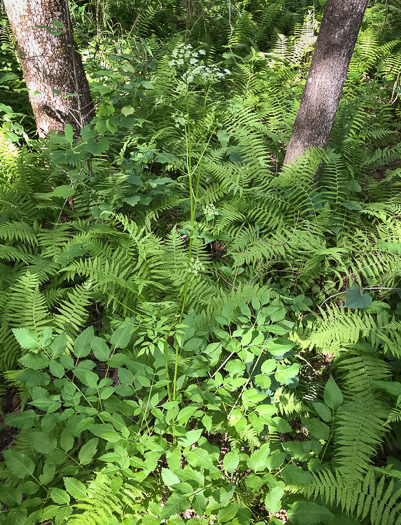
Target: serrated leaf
231,461
199,504
63,191
228,513
257,460
273,499
169,477
323,411
332,394
100,348
302,512
121,337
88,450
82,344
175,504
18,463
26,419
59,496
58,346
285,373
87,377
56,369
43,442
293,475
10,496
28,339
75,488
317,428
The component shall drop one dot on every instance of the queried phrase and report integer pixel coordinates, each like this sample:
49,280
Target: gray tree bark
53,71
333,51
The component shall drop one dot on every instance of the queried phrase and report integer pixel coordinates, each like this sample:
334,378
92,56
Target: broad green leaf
121,337
127,110
56,369
228,513
190,438
49,471
26,419
66,439
302,512
32,378
199,504
317,428
169,477
391,387
10,496
353,185
263,381
49,512
273,499
323,411
185,413
69,133
59,496
275,460
96,148
133,200
87,377
355,298
332,394
106,392
353,206
257,461
82,344
63,191
43,442
125,376
285,373
18,463
28,339
75,488
223,137
279,424
34,361
268,366
199,457
58,346
87,452
293,475
231,461
175,504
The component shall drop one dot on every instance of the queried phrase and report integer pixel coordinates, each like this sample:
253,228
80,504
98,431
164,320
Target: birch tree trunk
53,71
333,51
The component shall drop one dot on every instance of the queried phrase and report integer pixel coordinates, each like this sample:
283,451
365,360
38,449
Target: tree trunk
334,47
53,71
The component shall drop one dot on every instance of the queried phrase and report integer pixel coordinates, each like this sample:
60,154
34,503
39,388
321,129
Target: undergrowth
193,332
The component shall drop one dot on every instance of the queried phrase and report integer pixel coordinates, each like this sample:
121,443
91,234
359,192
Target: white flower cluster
210,211
183,56
195,266
179,119
206,73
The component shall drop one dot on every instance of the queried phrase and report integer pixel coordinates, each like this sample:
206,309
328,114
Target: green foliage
194,332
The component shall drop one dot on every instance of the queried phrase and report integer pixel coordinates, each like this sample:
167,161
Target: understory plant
194,333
